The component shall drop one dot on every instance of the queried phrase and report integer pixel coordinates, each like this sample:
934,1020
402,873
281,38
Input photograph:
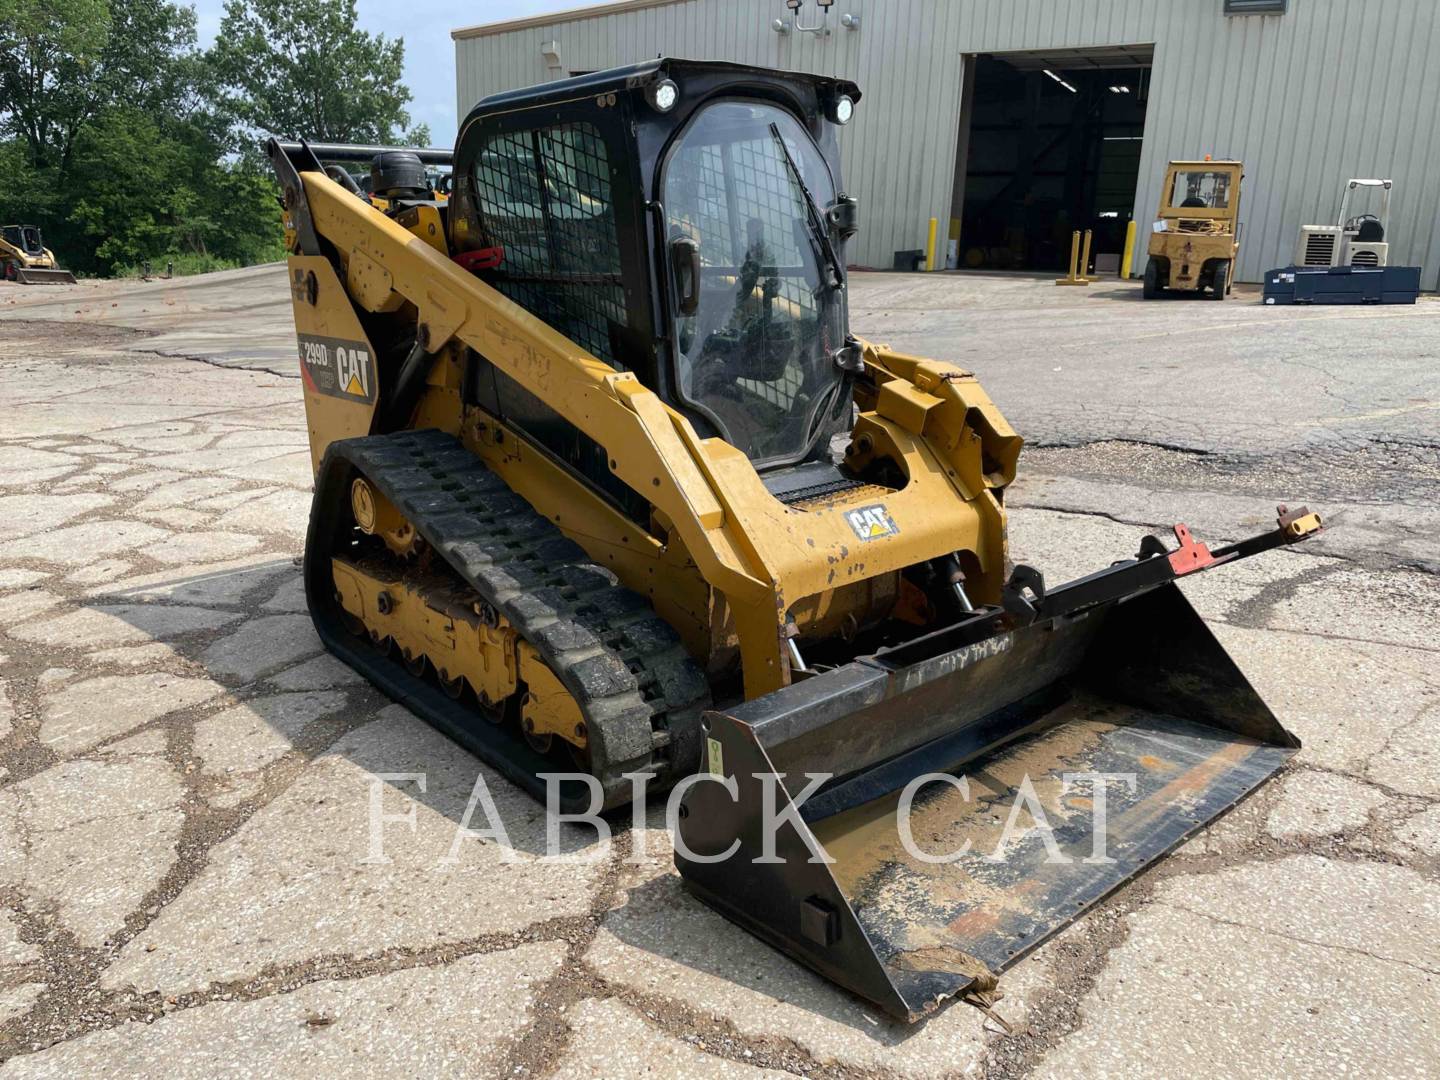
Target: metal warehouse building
1014,121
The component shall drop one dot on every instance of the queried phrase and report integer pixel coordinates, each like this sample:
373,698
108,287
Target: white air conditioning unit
1318,246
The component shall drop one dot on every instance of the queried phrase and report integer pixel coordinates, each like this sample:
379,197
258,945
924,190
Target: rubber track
641,693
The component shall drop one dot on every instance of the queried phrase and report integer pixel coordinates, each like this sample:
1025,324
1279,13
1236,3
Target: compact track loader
576,505
25,258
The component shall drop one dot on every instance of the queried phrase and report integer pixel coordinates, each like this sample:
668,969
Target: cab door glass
757,321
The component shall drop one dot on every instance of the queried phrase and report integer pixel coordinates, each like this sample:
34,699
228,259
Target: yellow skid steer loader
25,258
576,505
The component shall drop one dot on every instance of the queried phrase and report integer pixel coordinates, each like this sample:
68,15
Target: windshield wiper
818,233
820,410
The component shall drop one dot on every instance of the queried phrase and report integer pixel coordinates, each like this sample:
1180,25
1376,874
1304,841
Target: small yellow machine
25,258
576,504
1195,238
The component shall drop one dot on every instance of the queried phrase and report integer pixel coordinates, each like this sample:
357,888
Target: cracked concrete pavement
185,776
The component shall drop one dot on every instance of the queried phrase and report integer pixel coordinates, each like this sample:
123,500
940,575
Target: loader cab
1201,191
681,220
24,238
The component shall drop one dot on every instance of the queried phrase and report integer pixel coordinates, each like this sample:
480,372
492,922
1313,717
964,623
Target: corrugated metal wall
1333,89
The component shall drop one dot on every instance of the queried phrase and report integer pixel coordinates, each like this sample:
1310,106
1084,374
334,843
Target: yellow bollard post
1127,260
1076,276
1085,259
930,245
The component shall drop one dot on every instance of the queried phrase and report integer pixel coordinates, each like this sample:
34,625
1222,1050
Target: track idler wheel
493,711
455,687
539,741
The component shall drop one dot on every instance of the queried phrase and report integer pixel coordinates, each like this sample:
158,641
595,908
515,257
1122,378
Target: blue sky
429,53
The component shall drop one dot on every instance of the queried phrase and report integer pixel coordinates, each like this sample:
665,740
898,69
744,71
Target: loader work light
664,95
844,109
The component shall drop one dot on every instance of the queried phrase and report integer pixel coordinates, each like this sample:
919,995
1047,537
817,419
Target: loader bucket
1135,686
44,277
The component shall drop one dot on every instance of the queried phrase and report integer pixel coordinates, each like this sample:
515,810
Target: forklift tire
1152,280
1219,281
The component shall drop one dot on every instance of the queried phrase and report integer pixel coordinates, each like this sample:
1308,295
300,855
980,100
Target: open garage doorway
1049,143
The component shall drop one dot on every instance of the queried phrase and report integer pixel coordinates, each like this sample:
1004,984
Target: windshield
1201,190
757,353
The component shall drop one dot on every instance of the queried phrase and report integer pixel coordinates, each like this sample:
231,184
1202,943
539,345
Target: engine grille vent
1319,249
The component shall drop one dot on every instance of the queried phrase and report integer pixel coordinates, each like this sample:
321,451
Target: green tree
64,63
108,141
125,143
50,54
151,188
303,69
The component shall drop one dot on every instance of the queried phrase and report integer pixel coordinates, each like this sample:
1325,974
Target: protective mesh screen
544,196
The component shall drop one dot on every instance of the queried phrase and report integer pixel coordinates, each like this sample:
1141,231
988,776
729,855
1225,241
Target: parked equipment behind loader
1195,238
575,504
25,258
1362,240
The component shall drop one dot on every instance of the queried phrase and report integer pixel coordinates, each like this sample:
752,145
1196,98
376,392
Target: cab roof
634,76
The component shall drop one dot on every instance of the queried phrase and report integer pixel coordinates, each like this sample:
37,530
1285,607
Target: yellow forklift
1196,234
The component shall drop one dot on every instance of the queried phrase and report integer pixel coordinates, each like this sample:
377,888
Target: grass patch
186,264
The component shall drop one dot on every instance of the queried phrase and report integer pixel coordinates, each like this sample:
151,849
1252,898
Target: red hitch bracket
1191,555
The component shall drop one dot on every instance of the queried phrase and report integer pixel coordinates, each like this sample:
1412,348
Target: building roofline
594,11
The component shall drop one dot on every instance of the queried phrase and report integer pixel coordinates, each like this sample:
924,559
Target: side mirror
685,264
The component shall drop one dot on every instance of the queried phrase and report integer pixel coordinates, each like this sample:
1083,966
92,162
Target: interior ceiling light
1061,81
1121,89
